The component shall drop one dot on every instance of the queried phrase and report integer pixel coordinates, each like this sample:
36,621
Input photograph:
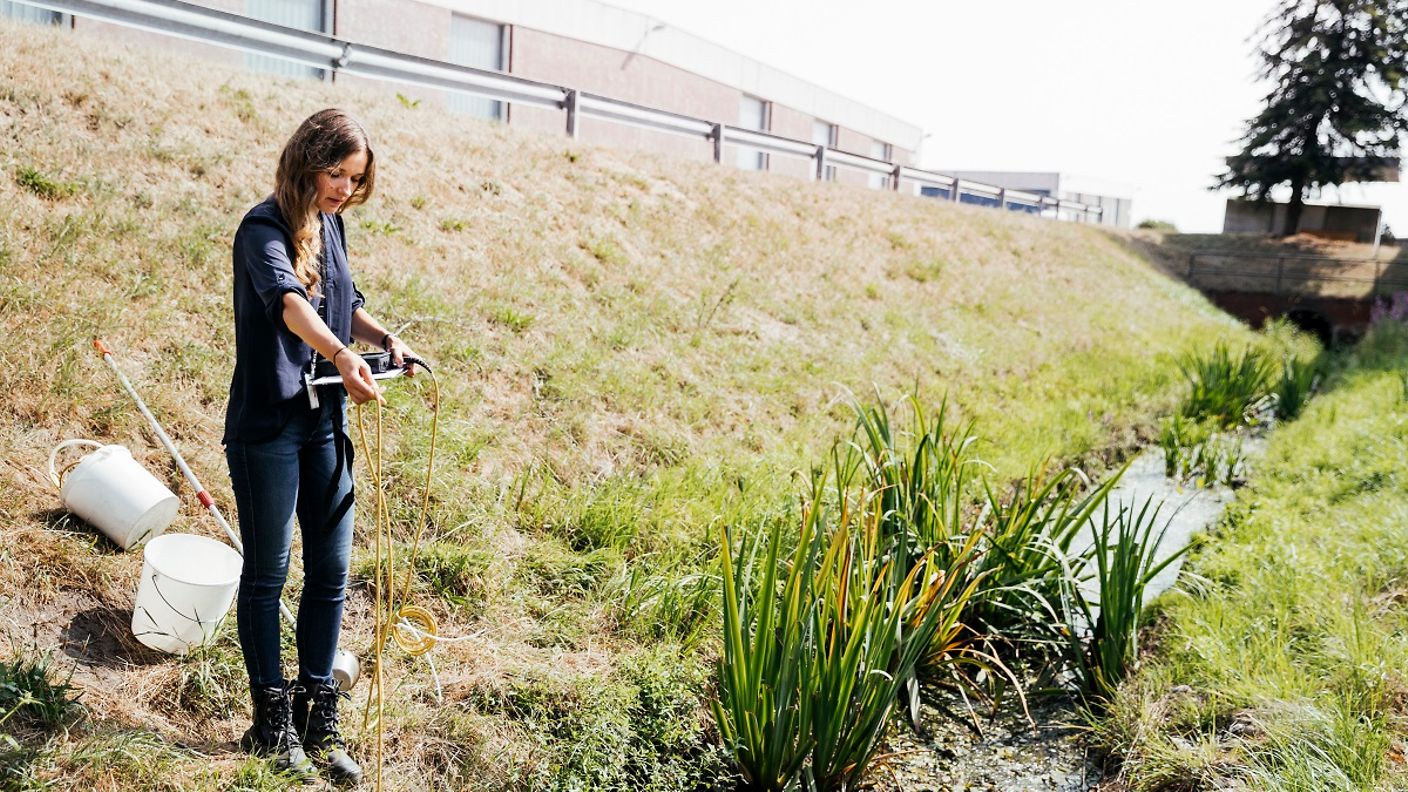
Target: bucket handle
58,477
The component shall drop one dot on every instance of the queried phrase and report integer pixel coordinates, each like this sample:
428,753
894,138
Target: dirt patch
958,750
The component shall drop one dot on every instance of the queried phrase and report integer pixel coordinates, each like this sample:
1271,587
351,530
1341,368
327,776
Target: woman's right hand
356,377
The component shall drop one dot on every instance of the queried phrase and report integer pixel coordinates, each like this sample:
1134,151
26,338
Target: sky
1147,95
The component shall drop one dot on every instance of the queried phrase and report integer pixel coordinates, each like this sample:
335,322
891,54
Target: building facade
581,44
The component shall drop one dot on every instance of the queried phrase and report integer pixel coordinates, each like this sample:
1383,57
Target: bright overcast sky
1149,95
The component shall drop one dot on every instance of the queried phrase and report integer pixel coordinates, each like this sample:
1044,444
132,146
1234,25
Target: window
824,134
300,14
752,114
29,13
880,151
480,44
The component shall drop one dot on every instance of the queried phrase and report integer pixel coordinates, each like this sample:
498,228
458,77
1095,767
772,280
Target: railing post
718,137
572,115
1001,197
1280,267
895,175
954,190
821,163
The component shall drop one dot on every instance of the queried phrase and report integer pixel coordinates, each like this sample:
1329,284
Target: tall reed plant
922,476
1102,627
817,647
1028,535
1295,385
1230,389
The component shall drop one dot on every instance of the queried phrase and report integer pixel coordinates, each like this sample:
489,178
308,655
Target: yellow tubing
411,627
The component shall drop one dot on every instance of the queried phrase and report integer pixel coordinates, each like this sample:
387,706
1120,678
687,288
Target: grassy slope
627,347
1285,670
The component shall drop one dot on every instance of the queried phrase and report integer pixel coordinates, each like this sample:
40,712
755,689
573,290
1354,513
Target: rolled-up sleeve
262,250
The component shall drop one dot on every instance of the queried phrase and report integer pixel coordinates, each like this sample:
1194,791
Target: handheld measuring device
325,372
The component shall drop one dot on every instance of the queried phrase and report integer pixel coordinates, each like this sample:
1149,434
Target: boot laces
280,713
322,715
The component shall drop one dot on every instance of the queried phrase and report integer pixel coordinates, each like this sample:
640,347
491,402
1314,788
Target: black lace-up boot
315,718
272,734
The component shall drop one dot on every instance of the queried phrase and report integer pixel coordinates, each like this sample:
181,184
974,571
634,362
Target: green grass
32,694
1297,630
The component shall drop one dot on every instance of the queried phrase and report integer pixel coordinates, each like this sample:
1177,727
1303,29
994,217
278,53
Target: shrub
1151,224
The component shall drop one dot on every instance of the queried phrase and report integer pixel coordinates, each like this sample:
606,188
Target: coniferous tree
1336,108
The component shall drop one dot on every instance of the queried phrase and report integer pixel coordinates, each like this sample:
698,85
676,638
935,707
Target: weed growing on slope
32,695
660,597
210,681
636,727
509,317
44,186
455,573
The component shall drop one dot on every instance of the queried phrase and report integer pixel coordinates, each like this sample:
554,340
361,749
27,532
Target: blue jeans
307,470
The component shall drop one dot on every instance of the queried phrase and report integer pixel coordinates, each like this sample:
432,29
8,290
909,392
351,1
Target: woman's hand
356,377
400,353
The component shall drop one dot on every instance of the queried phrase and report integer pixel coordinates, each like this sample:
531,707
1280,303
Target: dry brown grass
596,318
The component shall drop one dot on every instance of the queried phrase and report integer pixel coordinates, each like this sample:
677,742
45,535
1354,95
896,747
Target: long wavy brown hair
323,140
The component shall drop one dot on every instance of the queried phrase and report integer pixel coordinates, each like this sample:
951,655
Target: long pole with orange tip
201,495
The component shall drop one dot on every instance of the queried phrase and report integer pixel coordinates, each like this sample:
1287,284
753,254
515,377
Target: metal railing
323,51
1294,274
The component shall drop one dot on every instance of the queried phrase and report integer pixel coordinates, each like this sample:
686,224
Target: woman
295,302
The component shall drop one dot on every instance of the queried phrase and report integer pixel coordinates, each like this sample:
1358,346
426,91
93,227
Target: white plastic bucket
188,584
113,492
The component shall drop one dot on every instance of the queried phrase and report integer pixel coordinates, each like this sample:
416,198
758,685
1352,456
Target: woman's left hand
400,352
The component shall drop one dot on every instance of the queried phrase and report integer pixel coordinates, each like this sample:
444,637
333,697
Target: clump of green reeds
1102,626
817,647
1200,452
1295,385
1029,535
908,559
1225,388
922,477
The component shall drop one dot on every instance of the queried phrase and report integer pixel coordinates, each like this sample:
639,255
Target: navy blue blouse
269,359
